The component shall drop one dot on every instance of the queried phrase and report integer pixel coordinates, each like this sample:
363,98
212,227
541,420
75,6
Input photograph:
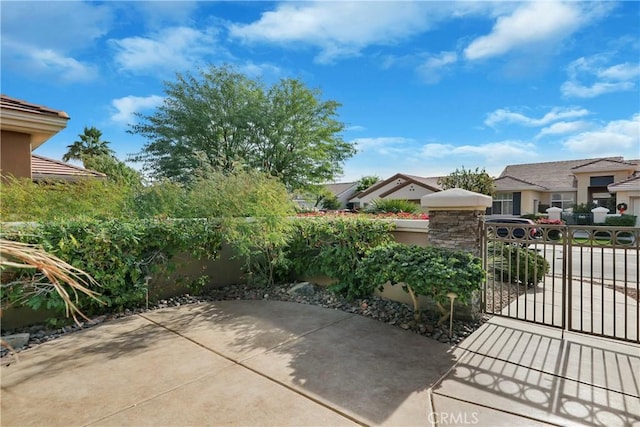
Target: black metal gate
580,278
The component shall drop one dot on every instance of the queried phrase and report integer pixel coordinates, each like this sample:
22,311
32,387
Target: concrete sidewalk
523,374
255,363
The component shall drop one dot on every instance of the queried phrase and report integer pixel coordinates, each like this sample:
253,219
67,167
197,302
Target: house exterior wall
409,192
15,154
583,181
527,204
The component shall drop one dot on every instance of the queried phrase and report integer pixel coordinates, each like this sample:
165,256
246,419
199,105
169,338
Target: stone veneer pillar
454,218
454,223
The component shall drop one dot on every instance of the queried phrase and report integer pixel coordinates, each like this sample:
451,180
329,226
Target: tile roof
43,168
9,103
629,184
557,176
340,187
431,181
604,164
509,183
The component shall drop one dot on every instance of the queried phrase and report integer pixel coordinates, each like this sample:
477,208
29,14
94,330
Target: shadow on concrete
371,371
538,373
360,368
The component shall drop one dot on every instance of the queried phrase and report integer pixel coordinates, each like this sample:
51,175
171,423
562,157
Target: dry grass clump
55,275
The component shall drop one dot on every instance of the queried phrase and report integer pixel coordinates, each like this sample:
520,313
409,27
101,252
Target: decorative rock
17,341
302,288
383,310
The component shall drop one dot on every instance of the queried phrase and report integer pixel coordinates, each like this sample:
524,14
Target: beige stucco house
25,127
399,186
531,188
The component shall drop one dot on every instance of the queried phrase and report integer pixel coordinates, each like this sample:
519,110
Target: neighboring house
25,127
343,192
399,186
531,188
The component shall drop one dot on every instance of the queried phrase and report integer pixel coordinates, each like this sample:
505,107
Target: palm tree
89,145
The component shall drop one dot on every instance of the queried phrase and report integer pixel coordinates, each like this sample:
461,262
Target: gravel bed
501,294
381,309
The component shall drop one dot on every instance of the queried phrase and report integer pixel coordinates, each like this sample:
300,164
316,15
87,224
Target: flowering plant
550,221
399,215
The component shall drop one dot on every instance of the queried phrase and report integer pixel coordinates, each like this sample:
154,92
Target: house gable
399,186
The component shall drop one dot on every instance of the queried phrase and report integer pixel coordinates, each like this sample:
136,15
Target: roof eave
40,127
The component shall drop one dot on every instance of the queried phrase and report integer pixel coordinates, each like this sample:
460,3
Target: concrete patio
275,363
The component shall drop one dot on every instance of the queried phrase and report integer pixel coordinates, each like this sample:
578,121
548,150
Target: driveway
275,363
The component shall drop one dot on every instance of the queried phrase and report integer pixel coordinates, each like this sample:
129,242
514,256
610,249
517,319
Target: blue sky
425,87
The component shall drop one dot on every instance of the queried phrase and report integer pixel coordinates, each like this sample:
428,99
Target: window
502,204
563,201
600,181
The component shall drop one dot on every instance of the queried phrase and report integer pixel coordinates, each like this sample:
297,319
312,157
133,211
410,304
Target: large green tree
90,144
222,119
477,180
366,182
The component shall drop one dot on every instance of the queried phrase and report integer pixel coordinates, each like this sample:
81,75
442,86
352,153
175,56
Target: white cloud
531,24
341,28
43,39
603,78
129,105
561,128
355,128
621,72
618,137
48,62
176,48
67,69
256,70
576,90
556,113
60,26
382,145
492,152
432,68
158,14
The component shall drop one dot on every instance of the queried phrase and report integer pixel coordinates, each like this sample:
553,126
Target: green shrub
621,221
330,202
429,271
334,247
255,211
516,264
117,254
163,198
25,200
392,206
